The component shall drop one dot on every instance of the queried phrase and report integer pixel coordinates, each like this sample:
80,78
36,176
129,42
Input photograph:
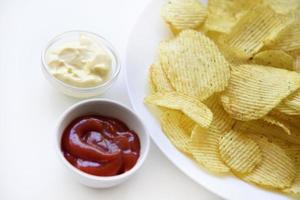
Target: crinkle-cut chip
159,79
184,14
291,104
297,64
293,120
224,14
288,39
293,151
239,152
152,86
282,6
194,64
287,110
276,170
190,106
254,90
204,148
205,142
268,129
177,128
274,58
277,122
253,30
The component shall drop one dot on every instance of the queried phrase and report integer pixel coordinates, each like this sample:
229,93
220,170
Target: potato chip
288,39
293,151
205,142
277,122
274,58
282,6
291,119
159,79
264,128
297,64
184,14
152,87
177,128
239,152
276,170
253,30
224,14
193,108
194,64
254,90
291,104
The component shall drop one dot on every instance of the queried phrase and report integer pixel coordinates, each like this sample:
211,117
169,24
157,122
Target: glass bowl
80,92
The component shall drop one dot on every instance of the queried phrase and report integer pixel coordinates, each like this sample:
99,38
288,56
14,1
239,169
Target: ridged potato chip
253,30
194,64
241,153
279,123
291,119
159,79
274,58
293,151
254,90
288,39
276,170
297,64
205,142
282,6
192,107
177,128
265,128
224,14
291,104
184,14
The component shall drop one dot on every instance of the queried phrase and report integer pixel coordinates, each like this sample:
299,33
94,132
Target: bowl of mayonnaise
80,64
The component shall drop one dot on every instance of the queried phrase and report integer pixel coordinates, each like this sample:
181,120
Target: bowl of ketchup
101,142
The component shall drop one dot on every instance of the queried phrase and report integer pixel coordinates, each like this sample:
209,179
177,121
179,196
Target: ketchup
101,146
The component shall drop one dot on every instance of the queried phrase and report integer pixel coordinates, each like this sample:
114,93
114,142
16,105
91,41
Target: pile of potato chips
227,87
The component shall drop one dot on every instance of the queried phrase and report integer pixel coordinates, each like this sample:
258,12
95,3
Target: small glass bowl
71,90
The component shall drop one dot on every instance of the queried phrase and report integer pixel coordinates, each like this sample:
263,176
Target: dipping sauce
100,145
84,62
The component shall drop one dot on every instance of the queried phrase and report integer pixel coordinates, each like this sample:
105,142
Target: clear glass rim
106,44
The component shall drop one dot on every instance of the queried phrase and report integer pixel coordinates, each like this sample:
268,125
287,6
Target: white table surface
29,106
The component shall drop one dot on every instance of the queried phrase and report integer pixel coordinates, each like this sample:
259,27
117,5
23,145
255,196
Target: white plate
141,51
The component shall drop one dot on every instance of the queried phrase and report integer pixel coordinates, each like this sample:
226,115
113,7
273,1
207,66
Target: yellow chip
205,142
291,119
288,39
297,64
293,151
274,58
276,170
254,90
277,122
184,14
177,128
224,14
282,6
239,152
159,79
291,104
152,86
194,64
253,30
268,129
193,108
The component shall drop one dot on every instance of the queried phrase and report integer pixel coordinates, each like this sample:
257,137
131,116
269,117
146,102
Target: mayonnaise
81,63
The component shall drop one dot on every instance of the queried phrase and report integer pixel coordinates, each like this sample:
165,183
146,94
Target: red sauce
100,146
